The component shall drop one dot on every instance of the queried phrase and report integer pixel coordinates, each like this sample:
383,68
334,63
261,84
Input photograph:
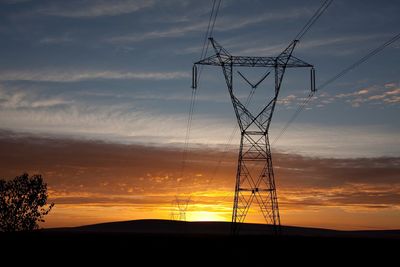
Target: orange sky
92,182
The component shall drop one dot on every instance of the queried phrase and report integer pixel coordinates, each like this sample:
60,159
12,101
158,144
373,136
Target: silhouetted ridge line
218,228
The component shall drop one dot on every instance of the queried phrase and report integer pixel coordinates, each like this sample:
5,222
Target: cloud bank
85,175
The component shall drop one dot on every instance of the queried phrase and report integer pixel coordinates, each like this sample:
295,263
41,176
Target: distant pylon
178,208
255,176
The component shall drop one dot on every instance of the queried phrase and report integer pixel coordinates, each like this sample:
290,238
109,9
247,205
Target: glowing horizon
92,182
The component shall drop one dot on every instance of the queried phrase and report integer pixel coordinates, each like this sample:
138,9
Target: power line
209,31
362,60
300,35
188,130
313,19
334,78
296,113
215,17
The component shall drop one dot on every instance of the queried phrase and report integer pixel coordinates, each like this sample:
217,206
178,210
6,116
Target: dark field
178,243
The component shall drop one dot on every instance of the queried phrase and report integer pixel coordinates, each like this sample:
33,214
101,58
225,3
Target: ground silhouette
149,242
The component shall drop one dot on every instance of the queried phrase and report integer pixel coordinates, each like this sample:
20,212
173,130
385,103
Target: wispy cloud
175,31
263,49
126,120
94,8
287,100
232,23
53,40
14,1
76,76
387,94
24,100
372,95
390,97
225,23
120,120
328,141
357,93
333,43
340,40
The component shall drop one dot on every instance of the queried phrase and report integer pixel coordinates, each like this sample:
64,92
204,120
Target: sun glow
205,216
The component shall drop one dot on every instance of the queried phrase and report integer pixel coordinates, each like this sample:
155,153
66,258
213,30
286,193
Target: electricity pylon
179,208
255,176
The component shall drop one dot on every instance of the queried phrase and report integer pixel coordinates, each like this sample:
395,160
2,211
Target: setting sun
205,216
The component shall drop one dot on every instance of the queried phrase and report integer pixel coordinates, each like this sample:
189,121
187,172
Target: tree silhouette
23,203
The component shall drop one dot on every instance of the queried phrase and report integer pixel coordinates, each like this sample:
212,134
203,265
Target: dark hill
165,243
167,227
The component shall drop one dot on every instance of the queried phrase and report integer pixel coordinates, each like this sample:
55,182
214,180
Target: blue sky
119,71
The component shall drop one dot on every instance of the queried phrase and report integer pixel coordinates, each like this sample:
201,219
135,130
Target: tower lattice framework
255,181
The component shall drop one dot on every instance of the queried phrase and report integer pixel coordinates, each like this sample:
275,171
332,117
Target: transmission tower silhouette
179,208
255,180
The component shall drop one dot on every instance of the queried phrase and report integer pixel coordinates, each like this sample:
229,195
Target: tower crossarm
238,61
223,58
247,61
293,62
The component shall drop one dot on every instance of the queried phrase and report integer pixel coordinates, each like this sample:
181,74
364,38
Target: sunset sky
94,95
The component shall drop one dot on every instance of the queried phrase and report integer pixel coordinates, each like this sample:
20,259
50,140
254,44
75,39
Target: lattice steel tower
255,175
179,208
